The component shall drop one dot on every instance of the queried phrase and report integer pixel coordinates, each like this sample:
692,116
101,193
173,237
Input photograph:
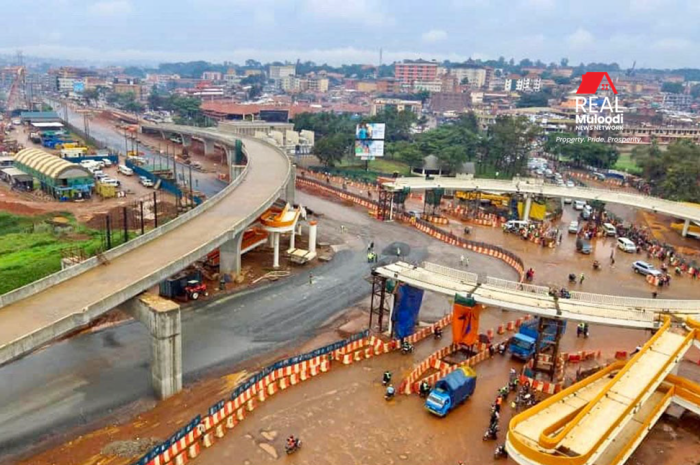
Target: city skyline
651,32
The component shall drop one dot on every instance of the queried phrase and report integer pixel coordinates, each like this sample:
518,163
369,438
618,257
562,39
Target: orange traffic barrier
193,450
621,354
208,440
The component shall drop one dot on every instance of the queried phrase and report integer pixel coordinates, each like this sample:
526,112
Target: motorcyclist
386,378
390,391
596,264
437,332
572,277
406,346
291,442
585,330
580,329
424,388
512,374
678,270
501,451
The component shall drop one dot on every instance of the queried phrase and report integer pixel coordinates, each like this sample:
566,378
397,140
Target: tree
695,91
452,157
464,81
91,95
672,87
564,62
525,63
539,99
673,174
412,156
332,149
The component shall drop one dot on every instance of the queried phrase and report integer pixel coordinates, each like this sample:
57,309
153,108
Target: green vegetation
380,166
589,153
672,87
186,109
626,163
673,174
31,248
500,151
538,99
126,101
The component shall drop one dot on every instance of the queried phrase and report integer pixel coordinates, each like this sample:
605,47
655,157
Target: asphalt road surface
86,378
111,137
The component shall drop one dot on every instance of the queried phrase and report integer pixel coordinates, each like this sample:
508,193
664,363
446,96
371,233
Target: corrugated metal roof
45,163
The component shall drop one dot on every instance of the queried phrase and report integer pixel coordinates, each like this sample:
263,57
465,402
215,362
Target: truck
522,344
451,391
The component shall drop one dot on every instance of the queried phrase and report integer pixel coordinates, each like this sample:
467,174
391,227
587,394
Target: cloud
469,3
111,8
368,12
672,44
435,35
538,4
580,39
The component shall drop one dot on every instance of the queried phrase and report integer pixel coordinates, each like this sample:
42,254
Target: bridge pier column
208,147
686,227
528,206
186,140
312,236
276,256
292,239
230,255
290,189
162,318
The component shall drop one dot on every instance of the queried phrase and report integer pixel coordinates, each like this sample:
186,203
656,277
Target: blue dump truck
451,391
522,345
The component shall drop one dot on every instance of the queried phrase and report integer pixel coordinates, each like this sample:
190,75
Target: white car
146,182
567,200
570,184
579,204
645,268
626,245
106,162
573,227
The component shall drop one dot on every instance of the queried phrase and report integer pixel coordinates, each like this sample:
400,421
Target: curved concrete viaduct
536,187
60,303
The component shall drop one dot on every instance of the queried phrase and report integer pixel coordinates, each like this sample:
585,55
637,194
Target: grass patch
30,248
626,163
380,166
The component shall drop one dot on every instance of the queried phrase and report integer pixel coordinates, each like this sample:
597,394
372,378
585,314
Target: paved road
113,139
22,322
84,378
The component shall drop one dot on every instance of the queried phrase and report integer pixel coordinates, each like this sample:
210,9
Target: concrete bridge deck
49,308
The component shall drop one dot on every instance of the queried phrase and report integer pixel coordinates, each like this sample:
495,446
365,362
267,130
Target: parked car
146,182
645,268
106,162
579,204
111,181
123,169
570,184
573,227
515,225
584,246
626,245
567,200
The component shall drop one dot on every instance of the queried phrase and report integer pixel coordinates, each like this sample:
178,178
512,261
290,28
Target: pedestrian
222,283
398,252
581,278
311,279
461,260
560,237
466,261
612,260
654,294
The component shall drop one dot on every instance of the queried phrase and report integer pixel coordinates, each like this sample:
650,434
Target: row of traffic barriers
478,247
411,383
223,416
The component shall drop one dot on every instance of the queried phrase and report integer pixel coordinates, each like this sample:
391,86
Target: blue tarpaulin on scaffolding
406,310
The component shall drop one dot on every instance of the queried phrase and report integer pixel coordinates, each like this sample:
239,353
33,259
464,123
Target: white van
515,225
579,204
626,245
123,169
610,229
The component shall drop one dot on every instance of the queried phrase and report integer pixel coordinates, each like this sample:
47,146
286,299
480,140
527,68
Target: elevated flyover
530,187
60,303
602,419
582,306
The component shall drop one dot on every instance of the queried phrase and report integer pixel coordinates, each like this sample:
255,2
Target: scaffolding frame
540,348
379,304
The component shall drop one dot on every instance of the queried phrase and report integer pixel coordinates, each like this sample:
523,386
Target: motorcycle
502,348
386,379
572,278
291,449
424,390
437,334
390,393
596,265
406,348
500,452
678,271
490,434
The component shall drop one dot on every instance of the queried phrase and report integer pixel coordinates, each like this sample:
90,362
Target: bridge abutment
208,146
686,227
186,140
162,318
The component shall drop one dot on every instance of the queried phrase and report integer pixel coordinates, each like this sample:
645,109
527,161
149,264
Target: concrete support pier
528,206
230,255
290,189
186,140
162,318
686,227
208,147
276,257
312,235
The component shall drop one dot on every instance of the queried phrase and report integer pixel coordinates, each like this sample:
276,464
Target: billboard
78,87
369,148
365,131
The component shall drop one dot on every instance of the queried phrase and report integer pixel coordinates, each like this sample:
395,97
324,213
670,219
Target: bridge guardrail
465,276
63,275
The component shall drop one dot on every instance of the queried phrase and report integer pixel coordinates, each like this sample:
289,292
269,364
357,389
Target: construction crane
630,72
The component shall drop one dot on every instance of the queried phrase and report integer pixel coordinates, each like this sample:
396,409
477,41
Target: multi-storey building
411,71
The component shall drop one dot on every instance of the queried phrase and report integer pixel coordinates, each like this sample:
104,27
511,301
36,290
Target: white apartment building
475,76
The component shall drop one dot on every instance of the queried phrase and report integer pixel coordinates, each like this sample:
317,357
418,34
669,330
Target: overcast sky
655,33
